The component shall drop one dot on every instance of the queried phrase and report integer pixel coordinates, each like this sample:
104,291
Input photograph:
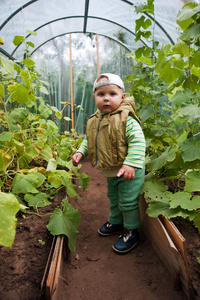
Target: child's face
108,98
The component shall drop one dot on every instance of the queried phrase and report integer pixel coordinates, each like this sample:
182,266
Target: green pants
124,198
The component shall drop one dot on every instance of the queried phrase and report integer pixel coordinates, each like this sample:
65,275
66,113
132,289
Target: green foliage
37,200
198,258
9,206
65,222
34,157
166,87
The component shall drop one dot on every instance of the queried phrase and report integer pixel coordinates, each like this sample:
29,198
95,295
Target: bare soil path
95,271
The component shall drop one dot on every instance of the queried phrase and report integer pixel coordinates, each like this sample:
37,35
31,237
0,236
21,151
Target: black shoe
127,241
109,229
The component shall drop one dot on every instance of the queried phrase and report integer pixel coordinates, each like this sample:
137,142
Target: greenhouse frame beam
121,44
128,2
154,20
86,19
7,54
16,12
162,28
71,17
4,52
86,15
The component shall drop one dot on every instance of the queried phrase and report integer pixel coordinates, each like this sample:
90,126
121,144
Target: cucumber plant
166,86
34,156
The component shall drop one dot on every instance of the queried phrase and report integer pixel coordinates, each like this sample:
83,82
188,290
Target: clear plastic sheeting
102,35
106,17
53,63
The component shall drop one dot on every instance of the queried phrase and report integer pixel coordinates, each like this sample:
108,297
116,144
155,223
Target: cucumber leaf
65,222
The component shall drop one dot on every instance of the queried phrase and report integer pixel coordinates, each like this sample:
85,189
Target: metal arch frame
72,17
16,12
157,23
7,54
66,33
86,18
86,15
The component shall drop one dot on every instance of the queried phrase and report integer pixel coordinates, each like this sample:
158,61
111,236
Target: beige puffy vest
107,146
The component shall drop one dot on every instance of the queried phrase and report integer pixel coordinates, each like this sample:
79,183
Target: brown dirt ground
93,271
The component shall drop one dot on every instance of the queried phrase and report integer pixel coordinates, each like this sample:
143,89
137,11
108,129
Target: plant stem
33,213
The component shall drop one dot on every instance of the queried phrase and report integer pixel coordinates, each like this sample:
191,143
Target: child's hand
76,158
127,171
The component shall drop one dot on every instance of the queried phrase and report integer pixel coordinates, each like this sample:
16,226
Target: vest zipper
97,137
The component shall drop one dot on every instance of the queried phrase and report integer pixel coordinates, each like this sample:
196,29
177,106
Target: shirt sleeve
136,144
83,147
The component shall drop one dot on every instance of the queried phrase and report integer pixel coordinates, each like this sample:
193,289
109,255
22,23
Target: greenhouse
51,53
77,41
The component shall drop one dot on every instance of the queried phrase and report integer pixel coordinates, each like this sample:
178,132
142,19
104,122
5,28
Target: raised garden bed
94,263
22,267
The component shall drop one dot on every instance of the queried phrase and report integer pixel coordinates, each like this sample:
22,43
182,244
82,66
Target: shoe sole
107,234
124,251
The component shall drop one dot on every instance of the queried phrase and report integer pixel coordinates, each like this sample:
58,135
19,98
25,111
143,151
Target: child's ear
123,96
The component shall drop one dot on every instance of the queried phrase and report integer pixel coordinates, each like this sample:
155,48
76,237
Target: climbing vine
34,156
166,85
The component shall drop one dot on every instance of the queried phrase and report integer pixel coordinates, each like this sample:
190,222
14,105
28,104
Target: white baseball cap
112,79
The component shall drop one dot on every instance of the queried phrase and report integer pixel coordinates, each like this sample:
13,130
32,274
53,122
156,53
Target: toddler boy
115,144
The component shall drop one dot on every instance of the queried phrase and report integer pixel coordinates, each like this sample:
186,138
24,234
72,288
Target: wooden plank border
52,279
170,245
165,238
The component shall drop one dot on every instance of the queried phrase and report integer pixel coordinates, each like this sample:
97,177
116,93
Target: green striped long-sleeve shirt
136,144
